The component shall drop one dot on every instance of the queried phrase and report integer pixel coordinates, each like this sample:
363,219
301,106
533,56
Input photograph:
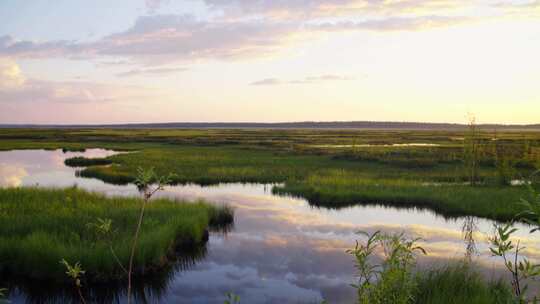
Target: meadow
40,227
330,168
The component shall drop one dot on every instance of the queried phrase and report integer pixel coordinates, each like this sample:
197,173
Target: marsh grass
39,227
340,189
405,176
460,283
80,161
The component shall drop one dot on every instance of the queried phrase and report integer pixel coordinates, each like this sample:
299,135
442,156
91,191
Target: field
331,168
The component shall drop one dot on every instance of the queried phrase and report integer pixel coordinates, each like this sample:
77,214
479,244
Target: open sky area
124,61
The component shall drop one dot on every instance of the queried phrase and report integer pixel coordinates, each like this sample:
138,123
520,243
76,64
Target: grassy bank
39,227
339,189
456,284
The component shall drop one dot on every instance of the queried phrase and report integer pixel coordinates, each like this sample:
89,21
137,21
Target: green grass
339,189
39,227
456,284
330,177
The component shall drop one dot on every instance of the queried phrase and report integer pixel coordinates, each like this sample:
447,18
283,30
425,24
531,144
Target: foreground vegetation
460,283
393,280
40,227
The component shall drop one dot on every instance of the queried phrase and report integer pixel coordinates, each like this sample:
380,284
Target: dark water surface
281,249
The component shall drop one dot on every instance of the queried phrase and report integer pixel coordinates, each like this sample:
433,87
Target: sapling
103,228
392,280
148,183
518,266
75,272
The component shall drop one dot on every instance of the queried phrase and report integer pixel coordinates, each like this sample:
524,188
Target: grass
455,284
39,227
339,189
310,167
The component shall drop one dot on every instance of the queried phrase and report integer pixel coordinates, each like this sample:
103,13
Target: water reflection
468,230
281,250
151,289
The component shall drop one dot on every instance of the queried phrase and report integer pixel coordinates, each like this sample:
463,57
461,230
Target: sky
129,61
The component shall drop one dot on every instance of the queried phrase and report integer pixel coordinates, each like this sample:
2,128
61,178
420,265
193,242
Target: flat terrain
331,168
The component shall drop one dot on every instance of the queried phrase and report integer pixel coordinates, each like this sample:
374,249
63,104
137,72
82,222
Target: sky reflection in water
281,250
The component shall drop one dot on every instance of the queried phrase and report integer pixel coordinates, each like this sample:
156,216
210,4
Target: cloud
267,81
153,71
10,74
165,39
153,5
306,80
15,88
392,24
529,8
307,9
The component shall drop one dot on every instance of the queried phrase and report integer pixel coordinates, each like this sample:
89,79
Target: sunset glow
66,62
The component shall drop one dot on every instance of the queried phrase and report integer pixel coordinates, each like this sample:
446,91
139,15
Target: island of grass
39,227
80,161
327,181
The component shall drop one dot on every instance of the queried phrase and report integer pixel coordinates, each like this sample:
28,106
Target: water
281,249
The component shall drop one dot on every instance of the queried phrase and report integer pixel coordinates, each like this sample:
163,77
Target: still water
281,249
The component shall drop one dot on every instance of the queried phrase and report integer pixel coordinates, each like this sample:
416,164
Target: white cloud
16,89
152,71
306,80
165,39
10,74
392,24
308,9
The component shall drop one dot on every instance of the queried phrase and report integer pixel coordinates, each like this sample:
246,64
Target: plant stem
133,247
83,301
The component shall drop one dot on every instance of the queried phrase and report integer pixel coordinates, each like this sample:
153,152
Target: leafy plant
531,214
392,280
3,295
520,268
103,228
75,272
144,181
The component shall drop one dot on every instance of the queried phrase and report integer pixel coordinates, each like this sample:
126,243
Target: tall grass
39,227
456,284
